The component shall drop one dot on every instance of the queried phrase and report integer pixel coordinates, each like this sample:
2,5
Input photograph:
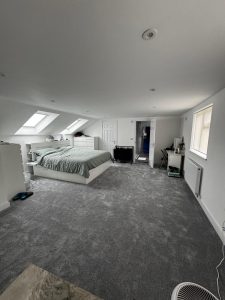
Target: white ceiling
90,58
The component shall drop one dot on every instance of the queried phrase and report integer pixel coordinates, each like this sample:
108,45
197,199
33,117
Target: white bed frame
44,172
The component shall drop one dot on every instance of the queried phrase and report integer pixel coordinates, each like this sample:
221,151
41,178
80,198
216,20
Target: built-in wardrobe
11,173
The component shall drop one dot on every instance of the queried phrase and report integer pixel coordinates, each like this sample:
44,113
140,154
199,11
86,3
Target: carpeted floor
133,233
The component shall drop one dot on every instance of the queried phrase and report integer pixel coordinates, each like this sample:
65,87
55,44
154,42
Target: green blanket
73,160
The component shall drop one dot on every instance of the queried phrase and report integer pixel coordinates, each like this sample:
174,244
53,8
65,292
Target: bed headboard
54,144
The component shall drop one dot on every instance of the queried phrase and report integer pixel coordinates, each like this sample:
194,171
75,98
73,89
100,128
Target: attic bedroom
112,150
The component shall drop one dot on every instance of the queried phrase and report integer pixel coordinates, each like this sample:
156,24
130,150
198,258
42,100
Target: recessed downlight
149,34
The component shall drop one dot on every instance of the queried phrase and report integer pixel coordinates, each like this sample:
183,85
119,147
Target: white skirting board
210,217
213,221
4,206
193,174
47,173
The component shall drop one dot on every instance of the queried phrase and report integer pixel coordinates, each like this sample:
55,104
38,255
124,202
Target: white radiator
193,176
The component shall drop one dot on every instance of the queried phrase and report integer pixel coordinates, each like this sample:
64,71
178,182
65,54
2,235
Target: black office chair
164,159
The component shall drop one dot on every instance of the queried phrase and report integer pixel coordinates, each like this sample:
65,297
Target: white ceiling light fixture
149,34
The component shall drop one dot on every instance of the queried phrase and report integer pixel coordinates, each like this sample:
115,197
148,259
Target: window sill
202,155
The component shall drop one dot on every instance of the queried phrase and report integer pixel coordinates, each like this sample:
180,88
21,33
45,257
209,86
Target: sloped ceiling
88,55
13,115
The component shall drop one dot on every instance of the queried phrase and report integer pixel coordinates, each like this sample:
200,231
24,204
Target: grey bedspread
73,160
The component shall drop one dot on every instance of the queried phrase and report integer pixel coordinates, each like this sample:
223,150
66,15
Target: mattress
73,160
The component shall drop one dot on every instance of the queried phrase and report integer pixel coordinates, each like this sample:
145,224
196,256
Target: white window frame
74,126
36,124
192,149
40,126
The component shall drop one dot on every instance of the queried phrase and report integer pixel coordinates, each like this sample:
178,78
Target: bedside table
30,165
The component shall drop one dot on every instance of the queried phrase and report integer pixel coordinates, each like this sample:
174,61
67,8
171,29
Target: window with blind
200,131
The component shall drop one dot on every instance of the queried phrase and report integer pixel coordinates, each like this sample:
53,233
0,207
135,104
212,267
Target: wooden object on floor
38,284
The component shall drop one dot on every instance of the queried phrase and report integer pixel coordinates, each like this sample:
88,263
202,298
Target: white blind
200,130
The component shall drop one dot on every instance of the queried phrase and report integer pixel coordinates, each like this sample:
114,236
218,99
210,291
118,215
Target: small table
175,160
30,165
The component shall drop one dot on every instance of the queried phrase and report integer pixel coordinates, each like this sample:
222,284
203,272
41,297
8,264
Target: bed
68,163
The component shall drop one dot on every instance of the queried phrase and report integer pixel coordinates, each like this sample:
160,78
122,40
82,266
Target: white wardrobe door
109,135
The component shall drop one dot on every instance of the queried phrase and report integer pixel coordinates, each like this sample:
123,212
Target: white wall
125,131
95,129
213,182
166,130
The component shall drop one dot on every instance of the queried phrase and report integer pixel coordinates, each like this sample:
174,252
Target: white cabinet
86,142
174,159
11,173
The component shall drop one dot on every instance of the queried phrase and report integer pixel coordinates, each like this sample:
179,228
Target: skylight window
34,120
74,126
36,123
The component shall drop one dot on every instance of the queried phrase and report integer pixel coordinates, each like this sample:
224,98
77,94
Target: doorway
142,141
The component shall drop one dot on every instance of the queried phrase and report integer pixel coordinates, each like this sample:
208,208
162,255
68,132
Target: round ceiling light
149,34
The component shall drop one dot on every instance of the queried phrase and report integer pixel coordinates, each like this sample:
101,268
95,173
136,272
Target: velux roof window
36,123
74,126
34,120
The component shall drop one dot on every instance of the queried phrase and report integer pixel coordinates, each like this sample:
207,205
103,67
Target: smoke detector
149,34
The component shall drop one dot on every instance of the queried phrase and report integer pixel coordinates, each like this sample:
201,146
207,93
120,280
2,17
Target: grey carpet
133,233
